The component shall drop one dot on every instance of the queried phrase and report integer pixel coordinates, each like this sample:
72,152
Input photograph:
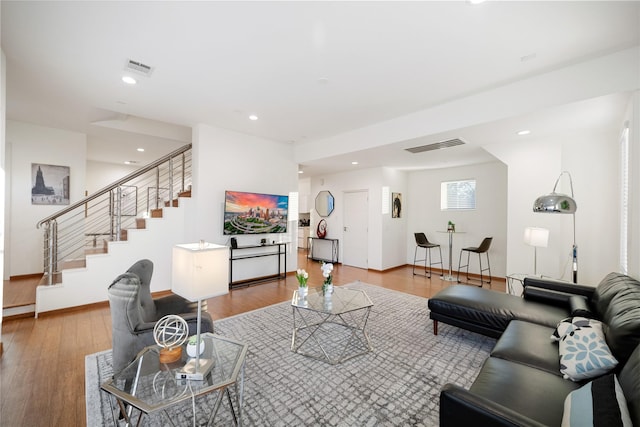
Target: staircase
90,243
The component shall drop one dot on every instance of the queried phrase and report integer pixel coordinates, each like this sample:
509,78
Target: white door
356,234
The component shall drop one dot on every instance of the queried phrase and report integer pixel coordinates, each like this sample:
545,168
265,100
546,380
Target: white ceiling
309,70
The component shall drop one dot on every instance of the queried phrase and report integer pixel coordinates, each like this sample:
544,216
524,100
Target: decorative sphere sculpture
170,333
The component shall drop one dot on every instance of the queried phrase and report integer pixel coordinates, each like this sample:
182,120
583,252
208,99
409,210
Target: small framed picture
396,205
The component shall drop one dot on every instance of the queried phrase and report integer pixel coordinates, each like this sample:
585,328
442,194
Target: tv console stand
277,250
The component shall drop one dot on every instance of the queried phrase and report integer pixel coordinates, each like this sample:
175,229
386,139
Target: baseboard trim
18,312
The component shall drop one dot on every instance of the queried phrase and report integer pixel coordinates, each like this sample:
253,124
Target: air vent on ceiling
436,146
138,67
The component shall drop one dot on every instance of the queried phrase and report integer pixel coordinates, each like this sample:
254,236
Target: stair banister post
118,212
54,250
47,251
50,249
158,187
112,233
182,174
171,181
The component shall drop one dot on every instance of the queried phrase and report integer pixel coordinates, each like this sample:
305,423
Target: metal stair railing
105,215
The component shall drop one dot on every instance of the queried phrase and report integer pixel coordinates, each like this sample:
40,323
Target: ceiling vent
436,146
138,67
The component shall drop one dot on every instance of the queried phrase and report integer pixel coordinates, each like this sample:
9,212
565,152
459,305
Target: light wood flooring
42,365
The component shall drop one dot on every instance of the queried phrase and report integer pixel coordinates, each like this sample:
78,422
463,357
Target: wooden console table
278,250
335,249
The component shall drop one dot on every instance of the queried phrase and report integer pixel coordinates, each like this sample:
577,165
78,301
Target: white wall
394,230
304,195
532,170
534,166
227,160
596,178
633,117
101,174
37,144
489,219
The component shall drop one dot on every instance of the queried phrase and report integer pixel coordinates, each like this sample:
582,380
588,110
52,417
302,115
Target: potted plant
327,285
302,277
191,345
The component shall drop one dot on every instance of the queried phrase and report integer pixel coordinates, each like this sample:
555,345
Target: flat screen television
254,213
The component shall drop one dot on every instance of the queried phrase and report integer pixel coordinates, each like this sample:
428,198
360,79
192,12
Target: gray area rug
397,384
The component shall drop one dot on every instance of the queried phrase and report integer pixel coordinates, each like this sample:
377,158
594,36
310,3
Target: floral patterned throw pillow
584,353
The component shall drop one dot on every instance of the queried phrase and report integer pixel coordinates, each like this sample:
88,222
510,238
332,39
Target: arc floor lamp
561,204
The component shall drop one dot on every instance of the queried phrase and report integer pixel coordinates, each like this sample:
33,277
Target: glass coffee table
331,328
149,386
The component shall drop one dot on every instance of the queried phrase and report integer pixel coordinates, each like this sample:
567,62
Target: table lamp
200,271
562,204
538,238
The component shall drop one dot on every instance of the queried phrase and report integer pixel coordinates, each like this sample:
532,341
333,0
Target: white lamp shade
538,237
200,270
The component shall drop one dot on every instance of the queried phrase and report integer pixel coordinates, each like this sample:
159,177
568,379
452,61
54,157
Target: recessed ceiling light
354,163
253,117
130,162
476,1
141,150
524,132
129,80
300,171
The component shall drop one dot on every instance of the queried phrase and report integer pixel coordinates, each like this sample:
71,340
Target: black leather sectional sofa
520,384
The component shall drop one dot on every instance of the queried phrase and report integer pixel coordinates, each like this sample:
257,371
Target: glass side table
515,283
331,328
149,386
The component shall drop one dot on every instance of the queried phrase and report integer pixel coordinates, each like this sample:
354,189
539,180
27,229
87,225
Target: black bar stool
423,242
482,249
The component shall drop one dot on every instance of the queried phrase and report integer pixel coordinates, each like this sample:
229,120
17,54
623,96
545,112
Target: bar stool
482,249
423,242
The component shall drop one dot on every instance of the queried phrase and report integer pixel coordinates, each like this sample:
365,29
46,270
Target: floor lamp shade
538,237
555,203
562,204
200,270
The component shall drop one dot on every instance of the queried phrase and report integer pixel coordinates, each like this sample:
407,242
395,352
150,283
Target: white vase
191,348
328,289
302,293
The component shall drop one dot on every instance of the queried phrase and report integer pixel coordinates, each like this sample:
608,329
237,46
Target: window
458,195
293,206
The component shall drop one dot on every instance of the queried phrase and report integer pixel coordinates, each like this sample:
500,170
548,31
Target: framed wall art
50,184
396,205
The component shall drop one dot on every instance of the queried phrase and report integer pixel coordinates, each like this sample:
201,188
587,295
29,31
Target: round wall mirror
324,203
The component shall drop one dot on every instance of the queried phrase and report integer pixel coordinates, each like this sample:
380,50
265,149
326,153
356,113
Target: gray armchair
134,313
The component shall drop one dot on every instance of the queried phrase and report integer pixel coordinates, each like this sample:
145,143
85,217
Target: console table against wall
277,250
335,249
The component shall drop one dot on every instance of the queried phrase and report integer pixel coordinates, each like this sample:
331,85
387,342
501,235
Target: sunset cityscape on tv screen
254,213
